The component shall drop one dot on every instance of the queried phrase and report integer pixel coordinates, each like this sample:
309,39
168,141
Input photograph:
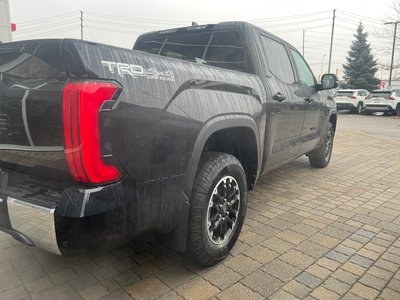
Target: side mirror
329,81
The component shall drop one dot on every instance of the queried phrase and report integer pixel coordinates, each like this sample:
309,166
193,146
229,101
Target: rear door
287,109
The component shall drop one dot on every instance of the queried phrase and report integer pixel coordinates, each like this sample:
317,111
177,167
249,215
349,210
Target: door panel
311,133
287,110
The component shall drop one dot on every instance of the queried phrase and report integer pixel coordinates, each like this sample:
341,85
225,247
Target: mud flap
176,240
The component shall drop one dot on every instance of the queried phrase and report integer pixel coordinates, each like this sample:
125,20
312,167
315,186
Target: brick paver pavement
309,233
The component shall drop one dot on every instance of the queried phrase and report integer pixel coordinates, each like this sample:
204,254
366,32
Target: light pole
394,45
322,65
330,49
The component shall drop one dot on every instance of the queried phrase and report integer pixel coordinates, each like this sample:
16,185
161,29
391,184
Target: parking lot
309,233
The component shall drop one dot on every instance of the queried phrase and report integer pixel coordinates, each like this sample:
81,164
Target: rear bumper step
18,236
43,215
33,225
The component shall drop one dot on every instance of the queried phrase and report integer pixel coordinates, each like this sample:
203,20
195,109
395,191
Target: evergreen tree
361,67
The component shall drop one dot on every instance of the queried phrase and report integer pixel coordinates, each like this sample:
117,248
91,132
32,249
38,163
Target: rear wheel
217,208
320,157
397,111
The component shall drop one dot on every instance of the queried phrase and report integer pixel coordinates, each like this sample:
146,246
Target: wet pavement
309,233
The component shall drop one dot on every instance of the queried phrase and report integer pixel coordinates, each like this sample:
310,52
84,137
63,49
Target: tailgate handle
279,97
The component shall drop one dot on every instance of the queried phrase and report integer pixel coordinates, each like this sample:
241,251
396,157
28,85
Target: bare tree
388,30
392,16
395,6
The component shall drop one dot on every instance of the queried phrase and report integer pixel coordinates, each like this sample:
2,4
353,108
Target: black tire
396,112
204,245
359,109
321,156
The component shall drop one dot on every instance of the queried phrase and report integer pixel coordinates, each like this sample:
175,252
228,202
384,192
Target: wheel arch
236,135
178,238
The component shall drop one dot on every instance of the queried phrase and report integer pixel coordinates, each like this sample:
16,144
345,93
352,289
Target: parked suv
383,101
353,100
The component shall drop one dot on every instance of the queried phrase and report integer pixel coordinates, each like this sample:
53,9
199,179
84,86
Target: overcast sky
119,22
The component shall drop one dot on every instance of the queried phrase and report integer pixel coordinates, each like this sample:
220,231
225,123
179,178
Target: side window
306,77
278,59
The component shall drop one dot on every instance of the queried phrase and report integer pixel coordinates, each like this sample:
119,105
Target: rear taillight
390,98
81,105
353,97
368,97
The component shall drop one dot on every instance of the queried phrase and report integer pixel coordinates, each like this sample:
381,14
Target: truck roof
230,25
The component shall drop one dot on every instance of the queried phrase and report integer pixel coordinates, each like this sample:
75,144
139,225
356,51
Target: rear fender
212,126
177,238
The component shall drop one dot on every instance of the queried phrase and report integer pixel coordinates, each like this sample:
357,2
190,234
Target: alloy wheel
328,144
223,210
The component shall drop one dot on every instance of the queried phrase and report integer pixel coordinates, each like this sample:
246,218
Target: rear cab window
223,49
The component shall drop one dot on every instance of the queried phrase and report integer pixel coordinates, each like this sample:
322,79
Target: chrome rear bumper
34,222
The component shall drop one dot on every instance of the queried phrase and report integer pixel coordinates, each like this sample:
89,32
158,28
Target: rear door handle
279,97
308,99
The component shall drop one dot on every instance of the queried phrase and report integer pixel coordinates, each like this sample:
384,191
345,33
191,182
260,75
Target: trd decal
123,69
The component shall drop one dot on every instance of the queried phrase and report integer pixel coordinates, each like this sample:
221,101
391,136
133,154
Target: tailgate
32,76
55,115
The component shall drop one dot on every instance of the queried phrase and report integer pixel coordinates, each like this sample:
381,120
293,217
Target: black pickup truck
100,144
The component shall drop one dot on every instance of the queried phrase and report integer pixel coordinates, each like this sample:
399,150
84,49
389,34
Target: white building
5,23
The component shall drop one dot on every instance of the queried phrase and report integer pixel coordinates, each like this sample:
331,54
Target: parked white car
353,100
383,101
